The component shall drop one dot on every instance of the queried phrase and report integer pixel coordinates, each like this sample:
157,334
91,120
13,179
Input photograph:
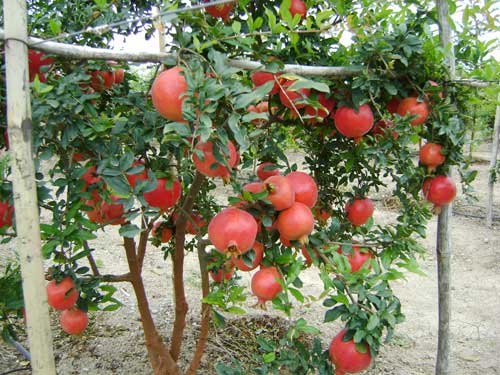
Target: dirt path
114,343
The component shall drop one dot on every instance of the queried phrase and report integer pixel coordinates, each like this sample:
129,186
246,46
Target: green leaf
129,230
334,313
236,310
255,96
373,322
119,184
269,357
297,294
181,129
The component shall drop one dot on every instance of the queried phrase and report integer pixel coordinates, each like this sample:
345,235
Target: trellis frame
19,125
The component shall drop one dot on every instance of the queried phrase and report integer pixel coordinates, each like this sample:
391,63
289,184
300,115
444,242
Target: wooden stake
28,241
443,246
493,164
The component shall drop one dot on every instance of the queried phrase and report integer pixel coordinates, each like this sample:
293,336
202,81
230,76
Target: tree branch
205,309
181,306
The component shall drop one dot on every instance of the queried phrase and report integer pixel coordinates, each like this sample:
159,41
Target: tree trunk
161,361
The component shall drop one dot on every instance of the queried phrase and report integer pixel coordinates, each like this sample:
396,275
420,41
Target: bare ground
114,343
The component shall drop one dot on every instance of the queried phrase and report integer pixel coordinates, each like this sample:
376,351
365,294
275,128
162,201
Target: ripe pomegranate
254,187
167,93
262,107
240,263
298,7
352,123
392,105
280,192
327,103
36,60
265,285
266,170
113,212
306,190
95,214
90,177
225,272
321,215
102,80
431,156
139,176
440,190
232,231
259,78
221,10
209,166
166,232
346,357
74,321
359,211
379,129
287,97
165,195
119,76
296,222
412,107
6,211
357,258
62,295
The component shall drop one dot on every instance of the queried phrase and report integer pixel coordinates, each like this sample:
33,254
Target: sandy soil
114,342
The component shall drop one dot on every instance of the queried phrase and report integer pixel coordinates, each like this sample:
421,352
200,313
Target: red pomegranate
232,231
281,193
259,78
297,97
298,7
440,190
209,166
357,258
254,187
306,190
221,10
431,156
119,76
392,105
265,285
345,356
327,103
165,195
266,170
113,212
6,211
74,321
36,60
102,80
139,175
167,93
296,223
352,123
359,211
225,272
379,129
62,295
412,107
166,233
240,263
321,215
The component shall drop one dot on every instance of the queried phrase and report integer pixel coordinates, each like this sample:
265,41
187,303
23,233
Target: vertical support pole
443,246
493,164
28,240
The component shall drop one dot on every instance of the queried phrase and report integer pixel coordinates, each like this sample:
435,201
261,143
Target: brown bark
181,306
205,310
159,356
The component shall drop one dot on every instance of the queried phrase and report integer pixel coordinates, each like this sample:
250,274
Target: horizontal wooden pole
91,53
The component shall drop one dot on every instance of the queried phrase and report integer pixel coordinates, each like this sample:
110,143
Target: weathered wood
493,164
443,246
28,242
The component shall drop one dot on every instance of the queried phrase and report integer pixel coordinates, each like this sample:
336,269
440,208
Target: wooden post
443,246
28,241
493,164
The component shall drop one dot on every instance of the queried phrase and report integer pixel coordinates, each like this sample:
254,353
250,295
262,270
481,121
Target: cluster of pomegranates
111,211
223,10
62,296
